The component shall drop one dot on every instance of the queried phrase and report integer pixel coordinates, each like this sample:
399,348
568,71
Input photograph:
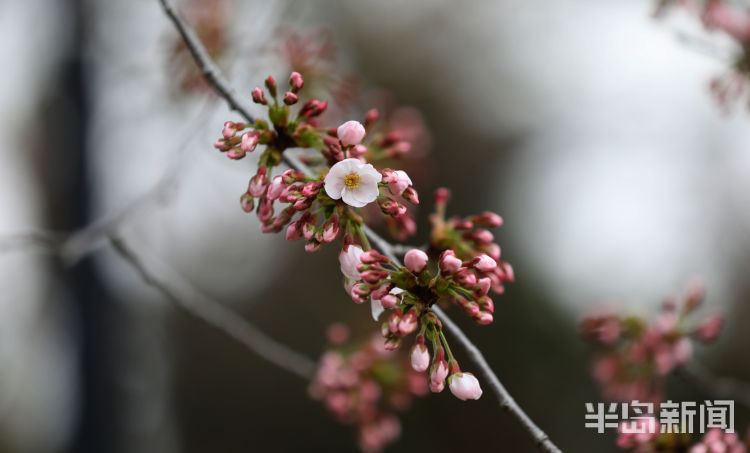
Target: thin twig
84,241
180,292
219,83
716,386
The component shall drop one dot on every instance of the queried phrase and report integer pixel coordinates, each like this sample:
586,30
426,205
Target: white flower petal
349,198
376,308
334,186
366,193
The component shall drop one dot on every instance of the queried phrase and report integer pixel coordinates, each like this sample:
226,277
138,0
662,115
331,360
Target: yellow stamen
352,180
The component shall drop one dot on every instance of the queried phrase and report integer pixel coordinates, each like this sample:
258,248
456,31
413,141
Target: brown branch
221,86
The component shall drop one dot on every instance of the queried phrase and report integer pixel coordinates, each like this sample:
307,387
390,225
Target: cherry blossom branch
716,386
506,401
221,86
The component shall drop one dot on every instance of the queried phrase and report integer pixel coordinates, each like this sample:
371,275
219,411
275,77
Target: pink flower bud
357,151
493,250
420,357
470,308
393,320
221,145
442,196
486,304
449,264
415,260
437,387
236,154
249,141
465,386
439,371
389,301
483,263
708,329
290,98
291,176
483,286
308,230
371,116
275,188
381,292
229,130
482,236
293,232
350,133
397,181
331,229
247,202
411,195
313,108
393,343
312,246
271,85
361,289
408,323
258,183
265,210
483,318
466,279
296,82
487,219
259,97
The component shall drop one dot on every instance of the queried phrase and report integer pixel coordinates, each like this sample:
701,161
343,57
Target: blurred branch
86,240
716,386
46,241
219,83
180,292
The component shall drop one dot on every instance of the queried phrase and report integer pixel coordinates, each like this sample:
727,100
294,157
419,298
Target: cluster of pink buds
734,21
316,208
410,291
468,238
717,441
635,355
364,385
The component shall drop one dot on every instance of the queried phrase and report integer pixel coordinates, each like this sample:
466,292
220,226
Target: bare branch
216,80
86,240
716,386
180,292
46,241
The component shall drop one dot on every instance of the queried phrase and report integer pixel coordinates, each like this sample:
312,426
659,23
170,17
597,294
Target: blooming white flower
465,386
349,259
353,181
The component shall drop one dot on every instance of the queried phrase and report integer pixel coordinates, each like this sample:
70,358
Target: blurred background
586,124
